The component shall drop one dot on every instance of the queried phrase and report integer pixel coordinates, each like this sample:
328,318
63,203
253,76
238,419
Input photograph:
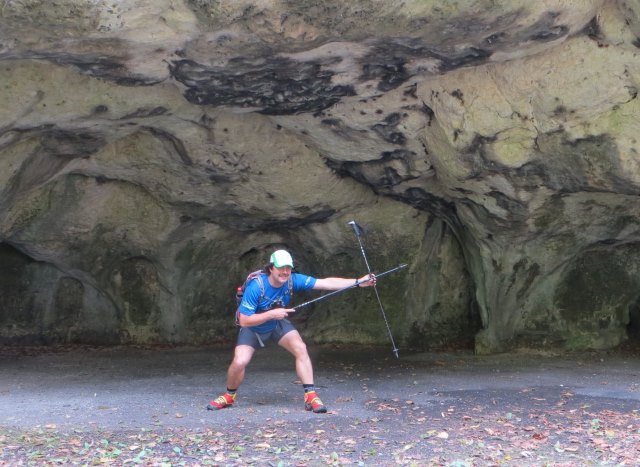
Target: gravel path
423,409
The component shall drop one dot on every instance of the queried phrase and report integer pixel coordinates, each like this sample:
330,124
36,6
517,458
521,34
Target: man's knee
240,363
296,345
300,350
241,359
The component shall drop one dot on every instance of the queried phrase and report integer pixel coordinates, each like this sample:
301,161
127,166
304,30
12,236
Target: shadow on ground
80,405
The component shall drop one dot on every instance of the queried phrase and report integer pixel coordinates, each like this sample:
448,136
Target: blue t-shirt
274,297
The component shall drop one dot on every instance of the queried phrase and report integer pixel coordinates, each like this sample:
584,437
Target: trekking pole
357,284
358,231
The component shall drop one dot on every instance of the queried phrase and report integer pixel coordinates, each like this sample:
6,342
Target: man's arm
247,321
336,283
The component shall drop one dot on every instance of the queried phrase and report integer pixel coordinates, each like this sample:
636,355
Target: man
262,317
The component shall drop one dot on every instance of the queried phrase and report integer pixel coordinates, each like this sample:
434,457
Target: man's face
281,275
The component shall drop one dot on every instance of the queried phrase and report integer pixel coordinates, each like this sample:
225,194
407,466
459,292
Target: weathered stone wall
154,152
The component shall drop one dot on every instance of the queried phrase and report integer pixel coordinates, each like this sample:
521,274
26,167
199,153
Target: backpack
258,275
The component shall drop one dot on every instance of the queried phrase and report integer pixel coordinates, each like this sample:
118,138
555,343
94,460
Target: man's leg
241,357
235,375
292,341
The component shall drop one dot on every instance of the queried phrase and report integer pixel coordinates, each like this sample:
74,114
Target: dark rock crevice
274,86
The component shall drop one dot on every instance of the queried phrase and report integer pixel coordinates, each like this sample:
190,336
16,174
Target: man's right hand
280,313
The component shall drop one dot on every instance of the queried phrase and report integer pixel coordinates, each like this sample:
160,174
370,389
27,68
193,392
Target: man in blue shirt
262,317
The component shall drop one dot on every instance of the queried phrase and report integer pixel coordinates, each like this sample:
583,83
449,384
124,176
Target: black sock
309,387
232,391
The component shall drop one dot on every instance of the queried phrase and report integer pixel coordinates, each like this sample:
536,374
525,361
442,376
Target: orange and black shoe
225,400
313,402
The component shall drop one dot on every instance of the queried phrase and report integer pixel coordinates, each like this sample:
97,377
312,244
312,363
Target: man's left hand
367,280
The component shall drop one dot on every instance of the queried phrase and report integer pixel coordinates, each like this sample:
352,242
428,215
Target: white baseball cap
281,258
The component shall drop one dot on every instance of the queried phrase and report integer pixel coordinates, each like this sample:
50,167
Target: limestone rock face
153,152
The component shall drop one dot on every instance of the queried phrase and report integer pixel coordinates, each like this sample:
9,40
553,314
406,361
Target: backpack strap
258,278
261,285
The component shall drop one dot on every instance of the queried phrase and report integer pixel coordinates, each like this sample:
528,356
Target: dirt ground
80,405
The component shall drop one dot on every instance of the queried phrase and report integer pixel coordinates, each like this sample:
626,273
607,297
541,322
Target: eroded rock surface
154,152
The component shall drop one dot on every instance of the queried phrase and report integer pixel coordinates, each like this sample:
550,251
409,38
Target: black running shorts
247,337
